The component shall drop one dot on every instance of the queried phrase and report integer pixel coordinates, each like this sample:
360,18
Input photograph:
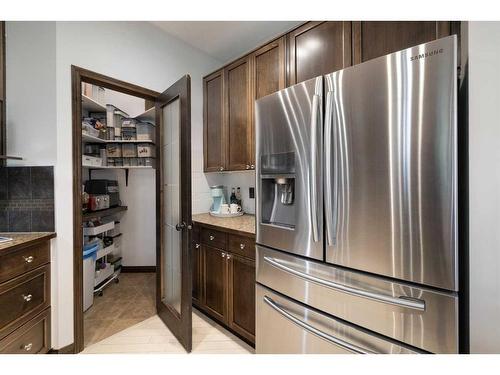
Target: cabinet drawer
213,238
31,338
24,260
243,246
22,298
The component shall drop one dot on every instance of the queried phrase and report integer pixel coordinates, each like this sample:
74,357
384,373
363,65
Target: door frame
181,90
78,76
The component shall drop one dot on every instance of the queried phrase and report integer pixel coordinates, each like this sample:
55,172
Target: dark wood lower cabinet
242,296
224,280
214,282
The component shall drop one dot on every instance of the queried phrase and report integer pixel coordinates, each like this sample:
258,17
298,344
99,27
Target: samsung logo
426,54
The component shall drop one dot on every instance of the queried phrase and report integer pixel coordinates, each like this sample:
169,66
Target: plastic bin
145,131
145,150
89,258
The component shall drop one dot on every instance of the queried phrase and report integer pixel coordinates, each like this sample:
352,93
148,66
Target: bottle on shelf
238,196
232,199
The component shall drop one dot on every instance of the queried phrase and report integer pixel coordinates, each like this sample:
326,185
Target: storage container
129,123
129,134
94,231
88,129
114,116
103,273
113,150
145,150
145,131
92,149
146,162
91,161
129,150
118,162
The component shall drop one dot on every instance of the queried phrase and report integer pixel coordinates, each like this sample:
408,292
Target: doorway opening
131,207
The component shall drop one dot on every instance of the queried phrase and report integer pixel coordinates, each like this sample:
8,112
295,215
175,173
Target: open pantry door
173,209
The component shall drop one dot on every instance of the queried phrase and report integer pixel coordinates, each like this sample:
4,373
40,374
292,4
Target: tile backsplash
26,199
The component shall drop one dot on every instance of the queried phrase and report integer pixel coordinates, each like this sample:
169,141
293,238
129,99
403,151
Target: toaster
98,202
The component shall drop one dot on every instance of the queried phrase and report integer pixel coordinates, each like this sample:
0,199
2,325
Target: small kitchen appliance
218,197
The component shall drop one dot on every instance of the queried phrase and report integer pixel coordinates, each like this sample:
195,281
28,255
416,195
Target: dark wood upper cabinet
214,282
269,68
213,122
318,48
241,296
373,39
238,96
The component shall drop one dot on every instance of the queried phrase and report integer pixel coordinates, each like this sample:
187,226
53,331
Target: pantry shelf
91,105
107,212
90,139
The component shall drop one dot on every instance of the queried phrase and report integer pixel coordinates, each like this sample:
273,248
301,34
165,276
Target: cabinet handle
28,259
27,297
228,257
197,246
211,238
252,166
248,166
223,255
221,169
242,246
28,347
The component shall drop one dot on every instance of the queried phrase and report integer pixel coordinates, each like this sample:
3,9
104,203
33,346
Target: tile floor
137,328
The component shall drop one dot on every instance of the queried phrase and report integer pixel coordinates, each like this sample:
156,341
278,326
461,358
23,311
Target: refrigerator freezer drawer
286,327
420,317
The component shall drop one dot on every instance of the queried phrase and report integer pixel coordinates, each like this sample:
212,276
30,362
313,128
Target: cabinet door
214,282
239,114
318,48
197,262
213,123
242,296
269,76
373,39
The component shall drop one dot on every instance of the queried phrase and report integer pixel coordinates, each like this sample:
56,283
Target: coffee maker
218,197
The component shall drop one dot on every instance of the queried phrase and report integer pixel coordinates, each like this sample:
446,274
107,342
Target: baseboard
68,349
138,269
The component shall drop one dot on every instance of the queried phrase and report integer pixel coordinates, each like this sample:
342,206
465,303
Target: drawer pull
27,297
242,246
29,259
197,246
212,238
228,256
28,347
223,255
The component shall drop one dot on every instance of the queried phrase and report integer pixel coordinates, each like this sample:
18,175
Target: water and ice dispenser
277,179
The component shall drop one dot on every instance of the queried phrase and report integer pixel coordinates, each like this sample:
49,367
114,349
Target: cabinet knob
252,166
29,259
197,246
248,166
28,347
221,169
228,256
27,297
242,246
223,255
211,238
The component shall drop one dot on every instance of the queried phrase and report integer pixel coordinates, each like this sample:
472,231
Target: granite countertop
245,223
22,239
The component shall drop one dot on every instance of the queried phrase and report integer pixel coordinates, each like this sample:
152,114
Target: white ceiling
225,40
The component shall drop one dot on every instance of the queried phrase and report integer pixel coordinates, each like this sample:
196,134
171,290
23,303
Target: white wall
484,186
243,179
39,61
31,92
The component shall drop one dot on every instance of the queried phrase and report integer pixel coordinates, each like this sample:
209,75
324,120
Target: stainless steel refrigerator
357,208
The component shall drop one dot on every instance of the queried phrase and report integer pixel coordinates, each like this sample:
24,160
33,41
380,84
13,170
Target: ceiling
225,40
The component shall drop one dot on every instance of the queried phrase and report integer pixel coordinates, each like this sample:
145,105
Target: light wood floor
152,336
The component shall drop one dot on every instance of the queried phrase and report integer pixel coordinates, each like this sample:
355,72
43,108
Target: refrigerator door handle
331,202
403,301
316,169
309,328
